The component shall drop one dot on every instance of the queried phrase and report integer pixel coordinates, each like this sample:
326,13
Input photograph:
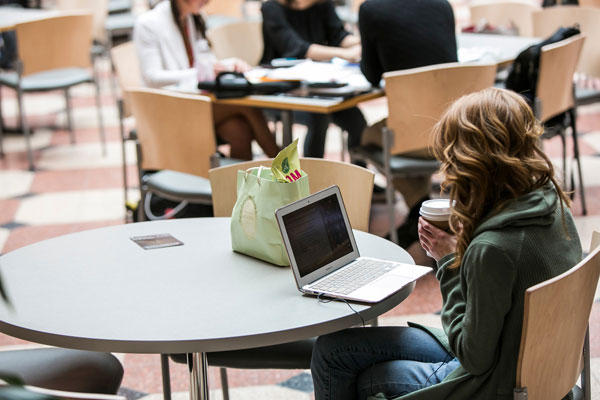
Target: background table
98,290
10,16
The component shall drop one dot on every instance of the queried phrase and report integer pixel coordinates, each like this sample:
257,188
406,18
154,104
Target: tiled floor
76,187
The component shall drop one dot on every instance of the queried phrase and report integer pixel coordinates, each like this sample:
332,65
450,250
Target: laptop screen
317,234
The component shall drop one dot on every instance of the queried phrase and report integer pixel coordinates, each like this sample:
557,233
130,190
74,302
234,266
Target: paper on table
467,54
312,71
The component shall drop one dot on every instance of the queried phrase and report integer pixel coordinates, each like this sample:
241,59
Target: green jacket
482,315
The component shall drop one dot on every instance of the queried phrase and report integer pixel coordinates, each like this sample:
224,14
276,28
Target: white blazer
161,49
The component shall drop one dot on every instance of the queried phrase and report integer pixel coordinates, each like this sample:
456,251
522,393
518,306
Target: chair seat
119,6
179,186
47,80
405,165
294,355
584,96
116,23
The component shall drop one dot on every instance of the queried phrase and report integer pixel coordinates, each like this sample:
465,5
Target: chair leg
224,383
586,382
389,187
166,376
69,115
25,129
123,154
344,145
573,116
100,120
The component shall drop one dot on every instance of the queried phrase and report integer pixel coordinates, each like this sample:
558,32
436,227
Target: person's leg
64,369
397,378
233,129
352,121
317,124
339,358
260,130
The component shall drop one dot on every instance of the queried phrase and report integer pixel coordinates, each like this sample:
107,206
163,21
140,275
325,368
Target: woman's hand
435,241
231,65
352,53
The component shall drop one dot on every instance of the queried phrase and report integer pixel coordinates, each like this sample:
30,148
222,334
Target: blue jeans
360,362
351,120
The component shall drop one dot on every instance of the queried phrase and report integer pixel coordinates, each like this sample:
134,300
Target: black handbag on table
229,85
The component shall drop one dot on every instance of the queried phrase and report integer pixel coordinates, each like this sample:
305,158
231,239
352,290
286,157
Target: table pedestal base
198,368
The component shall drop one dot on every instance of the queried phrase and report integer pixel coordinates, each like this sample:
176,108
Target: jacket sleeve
280,34
370,65
334,26
149,54
477,296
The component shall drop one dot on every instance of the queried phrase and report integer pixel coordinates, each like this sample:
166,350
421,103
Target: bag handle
258,174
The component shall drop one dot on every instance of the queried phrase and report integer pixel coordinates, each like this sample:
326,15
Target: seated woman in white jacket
171,46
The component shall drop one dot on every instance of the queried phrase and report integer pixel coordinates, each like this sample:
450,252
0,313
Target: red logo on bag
294,176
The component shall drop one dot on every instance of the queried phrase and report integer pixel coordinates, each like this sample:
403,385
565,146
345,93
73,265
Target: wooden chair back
355,183
98,9
558,62
57,42
418,97
231,8
589,3
505,13
548,20
555,320
127,68
175,130
243,39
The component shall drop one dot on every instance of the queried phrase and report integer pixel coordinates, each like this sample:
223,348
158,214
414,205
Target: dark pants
350,120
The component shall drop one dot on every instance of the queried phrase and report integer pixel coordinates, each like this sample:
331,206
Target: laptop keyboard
354,276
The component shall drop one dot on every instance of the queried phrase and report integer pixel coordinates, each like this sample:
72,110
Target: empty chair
505,13
554,93
126,65
175,138
416,100
53,54
242,39
551,352
548,20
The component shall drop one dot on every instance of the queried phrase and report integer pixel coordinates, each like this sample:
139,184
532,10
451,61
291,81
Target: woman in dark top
312,29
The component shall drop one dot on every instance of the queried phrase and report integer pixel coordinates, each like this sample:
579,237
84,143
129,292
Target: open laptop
324,257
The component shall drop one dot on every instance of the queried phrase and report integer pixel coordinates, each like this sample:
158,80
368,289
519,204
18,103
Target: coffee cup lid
435,207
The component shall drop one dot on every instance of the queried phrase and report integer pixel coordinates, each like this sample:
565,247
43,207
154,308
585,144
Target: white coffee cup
437,212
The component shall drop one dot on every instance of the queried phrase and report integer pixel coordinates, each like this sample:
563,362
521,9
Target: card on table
157,241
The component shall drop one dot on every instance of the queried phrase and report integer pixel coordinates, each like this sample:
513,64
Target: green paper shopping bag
254,229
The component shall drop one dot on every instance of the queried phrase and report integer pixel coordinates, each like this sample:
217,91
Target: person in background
172,48
312,29
511,229
399,35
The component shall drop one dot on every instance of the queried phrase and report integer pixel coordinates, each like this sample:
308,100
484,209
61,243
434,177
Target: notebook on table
325,259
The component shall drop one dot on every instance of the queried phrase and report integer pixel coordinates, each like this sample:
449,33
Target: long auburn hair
199,22
487,143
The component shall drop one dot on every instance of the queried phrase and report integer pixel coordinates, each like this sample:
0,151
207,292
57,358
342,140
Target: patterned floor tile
40,138
8,209
72,207
83,156
87,117
3,238
15,183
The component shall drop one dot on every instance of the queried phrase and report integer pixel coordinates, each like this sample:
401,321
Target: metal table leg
287,119
198,368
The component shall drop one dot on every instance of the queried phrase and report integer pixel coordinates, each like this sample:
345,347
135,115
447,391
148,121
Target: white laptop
324,257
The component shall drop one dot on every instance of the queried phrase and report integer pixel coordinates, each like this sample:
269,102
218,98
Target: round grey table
98,290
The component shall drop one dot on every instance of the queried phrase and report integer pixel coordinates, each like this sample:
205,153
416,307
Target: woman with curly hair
511,228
